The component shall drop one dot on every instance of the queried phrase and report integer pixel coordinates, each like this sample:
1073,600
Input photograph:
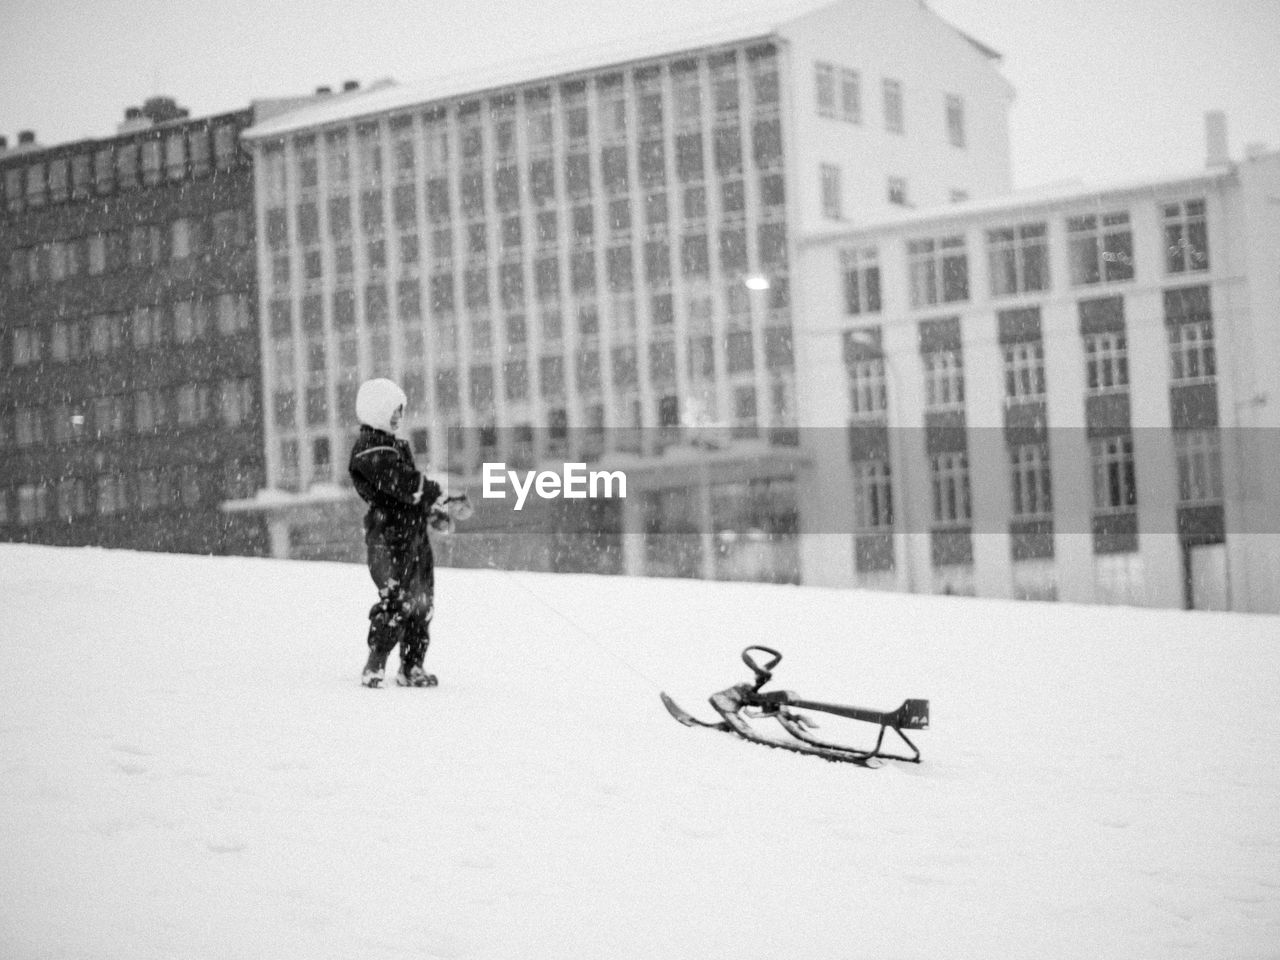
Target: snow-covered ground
190,769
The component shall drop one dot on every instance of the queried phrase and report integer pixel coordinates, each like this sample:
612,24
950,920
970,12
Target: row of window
443,296
1100,251
121,165
522,443
838,95
141,247
547,374
1191,351
486,133
145,327
1198,464
226,403
114,494
502,186
478,237
621,266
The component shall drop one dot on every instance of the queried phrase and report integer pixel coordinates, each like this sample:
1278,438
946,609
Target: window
33,503
850,96
321,459
1185,237
1031,480
1199,457
861,269
198,145
106,334
952,500
13,188
26,346
436,136
831,206
1191,351
897,192
1018,259
939,271
193,403
72,501
868,391
1101,248
224,145
687,94
1189,322
274,179
180,239
894,120
97,254
943,379
744,411
28,426
1114,483
955,120
1024,370
872,496
104,169
233,313
1106,361
824,76
190,484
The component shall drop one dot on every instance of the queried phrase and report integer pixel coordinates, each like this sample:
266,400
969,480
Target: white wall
1244,238
896,39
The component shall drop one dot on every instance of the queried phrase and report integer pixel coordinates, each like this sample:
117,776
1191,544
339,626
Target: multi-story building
129,402
1070,393
554,261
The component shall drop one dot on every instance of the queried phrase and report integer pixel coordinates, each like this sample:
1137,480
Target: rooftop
1060,192
677,34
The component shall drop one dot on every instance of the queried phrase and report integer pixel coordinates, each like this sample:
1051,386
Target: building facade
129,404
1070,394
555,264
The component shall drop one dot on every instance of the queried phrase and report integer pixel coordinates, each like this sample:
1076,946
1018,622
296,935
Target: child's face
396,416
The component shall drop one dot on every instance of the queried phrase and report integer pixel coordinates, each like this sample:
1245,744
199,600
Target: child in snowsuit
400,499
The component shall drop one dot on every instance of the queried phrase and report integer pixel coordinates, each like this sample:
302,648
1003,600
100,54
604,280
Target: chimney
350,85
161,109
1215,135
134,120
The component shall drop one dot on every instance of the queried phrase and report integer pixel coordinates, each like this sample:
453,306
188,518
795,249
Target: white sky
1105,89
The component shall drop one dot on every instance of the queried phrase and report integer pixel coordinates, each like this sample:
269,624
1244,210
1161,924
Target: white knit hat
376,401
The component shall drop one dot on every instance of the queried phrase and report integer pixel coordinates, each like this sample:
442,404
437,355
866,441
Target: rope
588,635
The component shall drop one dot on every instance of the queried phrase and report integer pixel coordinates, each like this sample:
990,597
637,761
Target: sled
740,704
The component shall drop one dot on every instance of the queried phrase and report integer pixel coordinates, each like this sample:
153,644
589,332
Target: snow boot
374,669
415,677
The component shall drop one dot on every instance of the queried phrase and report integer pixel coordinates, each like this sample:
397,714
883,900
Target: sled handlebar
763,674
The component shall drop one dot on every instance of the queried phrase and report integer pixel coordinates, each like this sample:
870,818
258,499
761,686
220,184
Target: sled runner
746,701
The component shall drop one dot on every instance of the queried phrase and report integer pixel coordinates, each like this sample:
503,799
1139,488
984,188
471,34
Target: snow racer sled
745,701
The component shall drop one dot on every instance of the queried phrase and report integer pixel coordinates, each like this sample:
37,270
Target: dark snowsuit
399,549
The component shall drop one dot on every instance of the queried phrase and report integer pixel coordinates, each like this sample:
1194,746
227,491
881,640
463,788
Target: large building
1072,393
554,261
128,337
